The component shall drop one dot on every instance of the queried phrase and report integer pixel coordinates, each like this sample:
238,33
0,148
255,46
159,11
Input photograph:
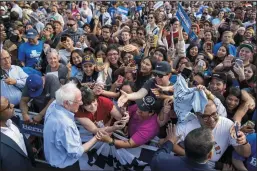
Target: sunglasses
70,25
158,75
8,107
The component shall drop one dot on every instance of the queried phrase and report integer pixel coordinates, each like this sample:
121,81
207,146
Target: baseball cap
249,46
31,34
162,68
35,85
239,22
88,59
220,76
146,104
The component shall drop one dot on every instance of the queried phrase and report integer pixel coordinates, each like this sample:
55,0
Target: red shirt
104,108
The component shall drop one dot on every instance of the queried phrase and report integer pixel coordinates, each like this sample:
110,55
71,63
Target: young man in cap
39,92
162,75
218,83
14,145
29,53
142,126
246,52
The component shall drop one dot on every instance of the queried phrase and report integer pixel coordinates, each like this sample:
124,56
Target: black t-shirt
141,80
150,84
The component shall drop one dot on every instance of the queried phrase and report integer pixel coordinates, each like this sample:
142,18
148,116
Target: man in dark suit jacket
198,148
16,153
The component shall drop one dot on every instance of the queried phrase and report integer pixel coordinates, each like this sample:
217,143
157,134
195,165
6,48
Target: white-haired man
62,143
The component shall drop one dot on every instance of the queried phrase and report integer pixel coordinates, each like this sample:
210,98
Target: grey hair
52,51
66,93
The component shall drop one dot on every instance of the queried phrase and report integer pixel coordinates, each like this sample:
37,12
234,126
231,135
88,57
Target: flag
185,22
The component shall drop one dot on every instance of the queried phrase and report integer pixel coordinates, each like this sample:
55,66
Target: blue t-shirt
231,48
30,54
251,160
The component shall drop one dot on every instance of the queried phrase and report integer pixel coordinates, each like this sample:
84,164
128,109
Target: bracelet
245,143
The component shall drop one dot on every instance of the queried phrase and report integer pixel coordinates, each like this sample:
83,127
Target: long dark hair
81,54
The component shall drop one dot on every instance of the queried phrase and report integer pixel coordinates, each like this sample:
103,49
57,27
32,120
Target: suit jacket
13,158
164,161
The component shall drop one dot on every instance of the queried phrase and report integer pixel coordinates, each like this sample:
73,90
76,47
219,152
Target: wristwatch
112,143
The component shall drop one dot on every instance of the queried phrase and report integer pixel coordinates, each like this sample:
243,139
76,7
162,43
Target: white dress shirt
13,132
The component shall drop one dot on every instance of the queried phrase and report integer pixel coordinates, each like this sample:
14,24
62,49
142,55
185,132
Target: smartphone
120,79
239,62
209,46
99,61
236,129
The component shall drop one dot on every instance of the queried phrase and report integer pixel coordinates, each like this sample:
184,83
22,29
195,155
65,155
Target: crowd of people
114,66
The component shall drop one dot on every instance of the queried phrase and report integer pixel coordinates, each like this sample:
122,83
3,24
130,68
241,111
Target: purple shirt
142,131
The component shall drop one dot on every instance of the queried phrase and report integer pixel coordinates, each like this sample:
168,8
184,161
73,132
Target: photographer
15,40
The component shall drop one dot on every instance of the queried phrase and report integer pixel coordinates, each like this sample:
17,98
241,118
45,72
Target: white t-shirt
221,135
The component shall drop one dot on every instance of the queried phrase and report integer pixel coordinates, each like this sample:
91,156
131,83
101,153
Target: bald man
220,127
16,154
13,79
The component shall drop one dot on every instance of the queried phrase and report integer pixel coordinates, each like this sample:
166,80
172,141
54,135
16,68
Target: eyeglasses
207,117
139,33
8,107
70,25
150,17
158,75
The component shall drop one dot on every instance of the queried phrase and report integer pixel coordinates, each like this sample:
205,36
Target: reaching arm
243,150
88,125
239,165
138,95
89,144
24,106
115,113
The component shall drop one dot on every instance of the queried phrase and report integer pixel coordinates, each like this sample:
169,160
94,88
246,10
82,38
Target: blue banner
123,10
32,129
185,22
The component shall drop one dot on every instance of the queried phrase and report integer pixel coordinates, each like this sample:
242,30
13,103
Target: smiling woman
54,67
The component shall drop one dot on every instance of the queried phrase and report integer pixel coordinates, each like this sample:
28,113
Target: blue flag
122,10
185,22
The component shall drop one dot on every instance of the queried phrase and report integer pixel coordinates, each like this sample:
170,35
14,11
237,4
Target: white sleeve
180,131
221,110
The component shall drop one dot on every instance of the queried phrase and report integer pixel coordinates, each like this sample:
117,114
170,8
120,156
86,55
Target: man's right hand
27,119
